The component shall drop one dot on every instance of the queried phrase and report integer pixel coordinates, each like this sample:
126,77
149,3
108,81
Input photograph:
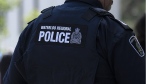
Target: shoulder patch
136,45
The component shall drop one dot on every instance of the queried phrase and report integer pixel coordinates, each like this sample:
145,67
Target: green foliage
3,29
5,5
32,15
132,10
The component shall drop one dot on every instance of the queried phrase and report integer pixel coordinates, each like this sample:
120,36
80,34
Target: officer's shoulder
47,9
43,11
47,12
122,24
103,13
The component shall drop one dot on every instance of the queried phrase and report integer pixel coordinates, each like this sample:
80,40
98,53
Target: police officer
78,42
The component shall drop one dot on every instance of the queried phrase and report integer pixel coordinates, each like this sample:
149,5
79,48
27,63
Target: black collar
94,3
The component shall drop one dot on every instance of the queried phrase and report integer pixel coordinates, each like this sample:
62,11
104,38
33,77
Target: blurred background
15,14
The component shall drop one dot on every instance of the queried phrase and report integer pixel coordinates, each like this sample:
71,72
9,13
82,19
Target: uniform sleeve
121,50
128,60
15,74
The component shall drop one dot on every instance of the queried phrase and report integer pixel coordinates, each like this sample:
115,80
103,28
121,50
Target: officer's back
74,43
63,49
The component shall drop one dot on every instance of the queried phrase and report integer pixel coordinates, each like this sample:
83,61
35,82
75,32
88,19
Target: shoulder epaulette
102,12
47,12
92,12
125,26
46,9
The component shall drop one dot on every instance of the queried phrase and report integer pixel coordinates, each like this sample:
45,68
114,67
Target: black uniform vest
62,49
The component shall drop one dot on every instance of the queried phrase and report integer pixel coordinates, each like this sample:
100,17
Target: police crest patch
136,45
76,37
